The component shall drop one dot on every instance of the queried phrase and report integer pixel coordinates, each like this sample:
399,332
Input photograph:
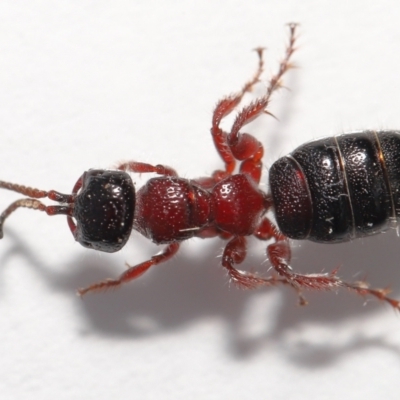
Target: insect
330,190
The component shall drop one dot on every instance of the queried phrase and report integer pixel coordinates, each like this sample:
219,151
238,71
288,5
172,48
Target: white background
85,84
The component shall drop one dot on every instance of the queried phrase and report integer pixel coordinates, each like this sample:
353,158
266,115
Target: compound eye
104,209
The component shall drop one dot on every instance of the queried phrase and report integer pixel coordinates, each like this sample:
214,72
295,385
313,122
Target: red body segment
238,205
170,209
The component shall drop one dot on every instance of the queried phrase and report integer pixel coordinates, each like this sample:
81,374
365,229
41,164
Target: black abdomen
338,188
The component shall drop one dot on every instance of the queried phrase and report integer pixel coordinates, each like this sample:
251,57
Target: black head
103,209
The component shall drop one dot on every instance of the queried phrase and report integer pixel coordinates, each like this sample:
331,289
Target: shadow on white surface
188,290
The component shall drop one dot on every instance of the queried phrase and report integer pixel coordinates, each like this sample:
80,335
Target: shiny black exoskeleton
338,188
103,209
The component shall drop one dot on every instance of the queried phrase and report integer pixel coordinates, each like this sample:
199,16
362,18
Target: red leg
252,111
225,107
242,146
140,167
235,253
245,147
279,255
134,271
